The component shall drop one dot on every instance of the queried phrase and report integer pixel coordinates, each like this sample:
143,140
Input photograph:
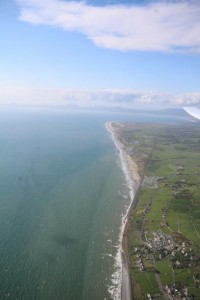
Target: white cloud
109,98
166,26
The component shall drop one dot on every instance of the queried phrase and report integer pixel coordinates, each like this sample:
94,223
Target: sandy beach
133,179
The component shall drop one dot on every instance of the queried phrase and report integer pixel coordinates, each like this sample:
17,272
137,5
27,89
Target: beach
133,179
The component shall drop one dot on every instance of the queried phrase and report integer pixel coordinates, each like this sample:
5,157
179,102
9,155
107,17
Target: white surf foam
115,289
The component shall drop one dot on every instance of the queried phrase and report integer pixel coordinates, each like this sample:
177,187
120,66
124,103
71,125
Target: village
158,245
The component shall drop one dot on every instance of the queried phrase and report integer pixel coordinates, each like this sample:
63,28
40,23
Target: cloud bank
165,26
107,98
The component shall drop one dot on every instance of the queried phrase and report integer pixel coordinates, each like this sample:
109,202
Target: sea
63,196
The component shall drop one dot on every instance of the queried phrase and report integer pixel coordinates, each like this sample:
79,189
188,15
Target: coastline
160,231
130,170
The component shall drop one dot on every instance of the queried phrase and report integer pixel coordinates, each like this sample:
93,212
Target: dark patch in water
64,241
19,178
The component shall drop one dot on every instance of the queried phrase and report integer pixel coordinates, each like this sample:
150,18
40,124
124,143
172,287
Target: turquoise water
62,195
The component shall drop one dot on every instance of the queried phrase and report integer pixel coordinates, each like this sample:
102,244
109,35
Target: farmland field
164,226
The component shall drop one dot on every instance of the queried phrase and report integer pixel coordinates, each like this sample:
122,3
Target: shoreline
130,170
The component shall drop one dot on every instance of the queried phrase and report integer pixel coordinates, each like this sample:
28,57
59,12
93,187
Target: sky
134,54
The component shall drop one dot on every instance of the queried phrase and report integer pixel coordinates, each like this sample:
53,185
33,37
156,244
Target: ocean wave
116,288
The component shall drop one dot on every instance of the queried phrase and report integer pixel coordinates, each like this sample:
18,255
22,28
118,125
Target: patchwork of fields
164,227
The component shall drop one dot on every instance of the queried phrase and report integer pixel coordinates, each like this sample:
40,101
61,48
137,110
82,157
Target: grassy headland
163,232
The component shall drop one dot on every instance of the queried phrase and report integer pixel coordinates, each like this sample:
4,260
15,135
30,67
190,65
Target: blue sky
130,53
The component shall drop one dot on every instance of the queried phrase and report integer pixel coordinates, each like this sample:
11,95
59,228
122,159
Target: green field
164,227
